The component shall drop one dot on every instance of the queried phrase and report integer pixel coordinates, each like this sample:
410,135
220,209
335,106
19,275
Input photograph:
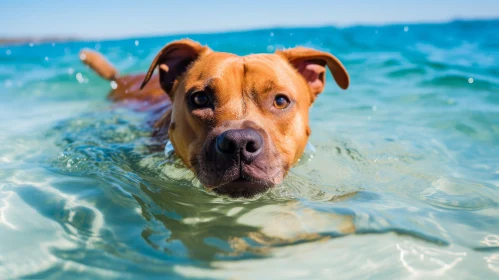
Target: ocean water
402,181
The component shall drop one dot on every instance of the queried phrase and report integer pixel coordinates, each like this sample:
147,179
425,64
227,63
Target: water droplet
271,34
8,52
375,108
308,153
114,85
168,148
136,43
270,48
31,45
71,71
470,80
46,58
8,83
79,77
83,56
53,44
97,47
406,28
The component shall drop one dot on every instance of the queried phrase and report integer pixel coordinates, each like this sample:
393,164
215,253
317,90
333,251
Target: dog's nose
248,142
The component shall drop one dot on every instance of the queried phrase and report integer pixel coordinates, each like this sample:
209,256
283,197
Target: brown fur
243,89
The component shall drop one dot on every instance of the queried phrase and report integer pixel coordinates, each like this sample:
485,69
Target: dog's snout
248,142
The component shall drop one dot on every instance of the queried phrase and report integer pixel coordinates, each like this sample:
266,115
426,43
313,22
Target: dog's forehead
268,66
251,68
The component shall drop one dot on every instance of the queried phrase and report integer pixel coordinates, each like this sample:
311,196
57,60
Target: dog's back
125,88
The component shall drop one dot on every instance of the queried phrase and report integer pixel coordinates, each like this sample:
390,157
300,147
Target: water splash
169,150
308,154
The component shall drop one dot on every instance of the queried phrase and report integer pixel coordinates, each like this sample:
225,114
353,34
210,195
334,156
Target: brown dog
238,122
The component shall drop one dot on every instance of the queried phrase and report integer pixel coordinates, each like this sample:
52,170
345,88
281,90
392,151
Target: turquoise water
403,183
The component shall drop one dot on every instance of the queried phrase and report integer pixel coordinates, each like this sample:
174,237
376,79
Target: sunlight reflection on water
399,179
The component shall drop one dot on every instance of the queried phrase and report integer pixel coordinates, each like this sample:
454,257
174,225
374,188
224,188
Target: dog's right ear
173,60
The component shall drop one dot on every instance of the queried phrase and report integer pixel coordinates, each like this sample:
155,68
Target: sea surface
401,179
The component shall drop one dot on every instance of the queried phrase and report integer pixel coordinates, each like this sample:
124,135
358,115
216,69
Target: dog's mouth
243,187
238,180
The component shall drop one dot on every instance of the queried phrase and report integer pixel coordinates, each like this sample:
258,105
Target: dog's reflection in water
208,227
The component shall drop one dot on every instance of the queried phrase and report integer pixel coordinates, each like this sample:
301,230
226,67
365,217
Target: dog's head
241,122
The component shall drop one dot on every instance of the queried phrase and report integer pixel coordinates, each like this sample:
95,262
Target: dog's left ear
311,64
173,61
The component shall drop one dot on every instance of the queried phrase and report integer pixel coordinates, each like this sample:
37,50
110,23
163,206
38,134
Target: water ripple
403,182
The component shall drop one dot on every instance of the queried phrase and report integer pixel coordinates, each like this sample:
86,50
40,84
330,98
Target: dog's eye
281,102
200,99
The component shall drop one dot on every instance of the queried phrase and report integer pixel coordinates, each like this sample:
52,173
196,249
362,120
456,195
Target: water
403,183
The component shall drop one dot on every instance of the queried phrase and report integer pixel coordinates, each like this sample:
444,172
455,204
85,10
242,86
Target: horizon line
63,37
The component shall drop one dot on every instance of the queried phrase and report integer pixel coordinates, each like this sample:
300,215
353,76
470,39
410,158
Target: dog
238,122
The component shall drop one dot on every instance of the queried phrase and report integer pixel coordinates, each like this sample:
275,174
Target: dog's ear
311,64
173,60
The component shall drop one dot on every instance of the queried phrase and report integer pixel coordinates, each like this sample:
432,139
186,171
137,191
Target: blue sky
124,18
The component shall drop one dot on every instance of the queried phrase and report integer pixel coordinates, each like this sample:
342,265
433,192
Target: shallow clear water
404,181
